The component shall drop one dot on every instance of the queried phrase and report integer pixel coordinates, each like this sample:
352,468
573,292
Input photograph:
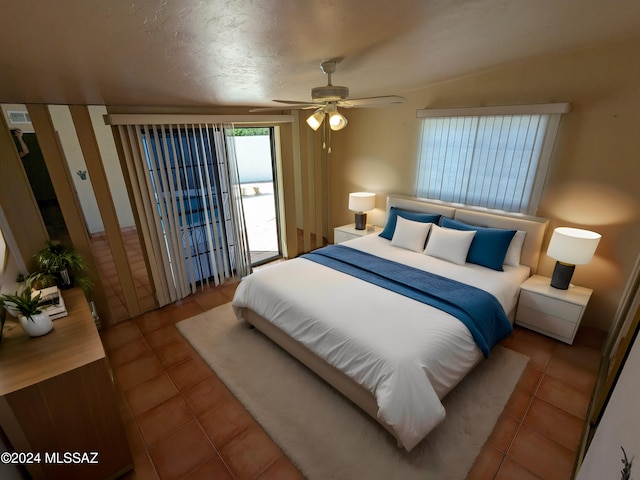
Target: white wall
63,123
619,427
111,163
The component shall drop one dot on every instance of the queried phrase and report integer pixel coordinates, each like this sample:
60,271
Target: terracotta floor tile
174,352
138,371
164,419
564,396
212,469
164,336
518,404
123,406
143,469
580,356
566,370
250,453
530,379
148,394
537,347
542,456
129,351
190,371
229,288
226,421
173,314
134,437
181,452
510,470
153,321
555,423
118,335
590,337
206,395
211,300
504,432
283,469
486,465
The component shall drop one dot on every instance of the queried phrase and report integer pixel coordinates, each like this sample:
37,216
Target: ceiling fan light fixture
315,119
337,121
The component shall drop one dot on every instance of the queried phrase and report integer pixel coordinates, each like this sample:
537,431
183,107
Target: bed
363,316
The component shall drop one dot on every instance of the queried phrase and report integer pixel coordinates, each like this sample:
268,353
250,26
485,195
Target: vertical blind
493,161
186,189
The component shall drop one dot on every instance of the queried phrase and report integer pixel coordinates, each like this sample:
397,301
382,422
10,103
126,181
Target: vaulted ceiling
246,52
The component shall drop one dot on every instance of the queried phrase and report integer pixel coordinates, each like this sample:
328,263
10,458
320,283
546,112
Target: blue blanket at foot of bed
479,310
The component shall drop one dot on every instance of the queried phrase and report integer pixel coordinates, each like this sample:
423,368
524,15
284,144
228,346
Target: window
494,157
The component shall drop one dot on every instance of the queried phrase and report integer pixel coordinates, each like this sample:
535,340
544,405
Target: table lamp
361,202
570,247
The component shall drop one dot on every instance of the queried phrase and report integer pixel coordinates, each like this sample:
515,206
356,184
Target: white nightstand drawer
551,306
340,236
547,324
349,232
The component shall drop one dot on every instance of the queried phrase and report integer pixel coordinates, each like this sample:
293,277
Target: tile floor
183,423
115,297
104,262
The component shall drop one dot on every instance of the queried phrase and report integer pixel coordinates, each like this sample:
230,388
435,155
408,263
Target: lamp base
361,221
562,274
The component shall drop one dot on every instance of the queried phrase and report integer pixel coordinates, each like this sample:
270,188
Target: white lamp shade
315,120
572,245
362,201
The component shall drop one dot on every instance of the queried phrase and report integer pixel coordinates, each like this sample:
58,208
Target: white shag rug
327,436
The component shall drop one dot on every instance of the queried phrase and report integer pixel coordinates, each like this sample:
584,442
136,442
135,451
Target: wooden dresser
57,400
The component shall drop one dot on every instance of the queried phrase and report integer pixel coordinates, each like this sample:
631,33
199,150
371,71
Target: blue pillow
489,245
392,219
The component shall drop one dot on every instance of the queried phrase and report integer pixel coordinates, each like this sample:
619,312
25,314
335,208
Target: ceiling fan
327,98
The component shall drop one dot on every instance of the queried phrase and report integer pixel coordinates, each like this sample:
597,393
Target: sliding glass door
255,153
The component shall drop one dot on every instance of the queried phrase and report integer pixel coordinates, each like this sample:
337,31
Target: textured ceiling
246,52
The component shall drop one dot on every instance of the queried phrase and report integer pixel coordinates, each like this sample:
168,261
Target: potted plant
3,318
59,265
33,320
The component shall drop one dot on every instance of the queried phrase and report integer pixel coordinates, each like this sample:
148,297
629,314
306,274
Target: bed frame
534,226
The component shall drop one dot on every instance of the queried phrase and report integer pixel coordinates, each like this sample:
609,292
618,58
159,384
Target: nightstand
550,311
349,232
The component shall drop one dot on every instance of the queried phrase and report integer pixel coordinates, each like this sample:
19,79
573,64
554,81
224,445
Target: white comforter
408,354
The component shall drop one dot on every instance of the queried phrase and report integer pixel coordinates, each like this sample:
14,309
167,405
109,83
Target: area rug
325,435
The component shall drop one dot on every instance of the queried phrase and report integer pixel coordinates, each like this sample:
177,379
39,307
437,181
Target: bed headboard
484,217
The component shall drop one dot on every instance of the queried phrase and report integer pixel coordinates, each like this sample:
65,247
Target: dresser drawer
551,306
547,324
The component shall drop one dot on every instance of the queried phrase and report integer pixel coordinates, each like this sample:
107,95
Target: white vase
37,324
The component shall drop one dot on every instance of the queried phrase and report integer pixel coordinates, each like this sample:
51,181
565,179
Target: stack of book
52,302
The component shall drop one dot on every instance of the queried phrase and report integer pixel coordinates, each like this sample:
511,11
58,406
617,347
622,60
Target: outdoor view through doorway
255,156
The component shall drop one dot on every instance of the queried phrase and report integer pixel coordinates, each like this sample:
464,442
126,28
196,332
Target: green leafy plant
59,265
3,318
24,302
626,471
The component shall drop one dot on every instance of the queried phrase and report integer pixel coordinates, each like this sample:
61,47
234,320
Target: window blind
492,161
186,189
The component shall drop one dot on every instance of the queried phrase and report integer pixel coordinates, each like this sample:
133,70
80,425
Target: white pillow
449,244
515,249
410,235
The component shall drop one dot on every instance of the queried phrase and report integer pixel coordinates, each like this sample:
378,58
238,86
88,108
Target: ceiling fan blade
371,102
293,106
299,102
